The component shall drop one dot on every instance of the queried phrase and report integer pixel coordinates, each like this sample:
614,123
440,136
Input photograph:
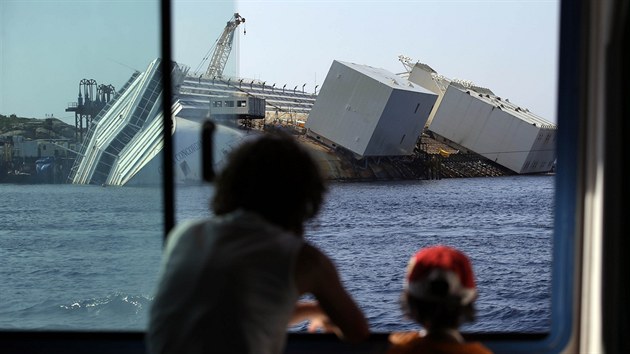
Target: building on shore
35,160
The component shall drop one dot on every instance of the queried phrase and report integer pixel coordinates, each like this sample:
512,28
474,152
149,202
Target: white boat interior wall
369,111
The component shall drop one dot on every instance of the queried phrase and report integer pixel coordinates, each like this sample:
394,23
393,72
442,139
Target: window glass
84,255
489,193
80,239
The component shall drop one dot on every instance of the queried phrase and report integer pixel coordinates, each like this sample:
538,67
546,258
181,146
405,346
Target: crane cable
206,56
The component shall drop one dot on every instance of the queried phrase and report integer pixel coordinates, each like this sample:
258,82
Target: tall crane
223,47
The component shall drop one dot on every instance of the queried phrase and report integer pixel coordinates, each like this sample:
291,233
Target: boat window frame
571,46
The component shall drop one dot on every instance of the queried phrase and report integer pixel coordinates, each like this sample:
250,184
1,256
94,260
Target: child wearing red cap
439,294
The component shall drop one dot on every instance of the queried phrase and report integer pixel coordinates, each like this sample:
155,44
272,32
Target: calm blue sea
86,257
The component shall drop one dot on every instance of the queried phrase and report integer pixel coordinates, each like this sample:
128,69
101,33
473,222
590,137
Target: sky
48,46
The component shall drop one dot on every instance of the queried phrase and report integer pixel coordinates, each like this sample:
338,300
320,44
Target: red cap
441,262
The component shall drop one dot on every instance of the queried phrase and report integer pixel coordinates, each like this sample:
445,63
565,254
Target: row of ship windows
229,104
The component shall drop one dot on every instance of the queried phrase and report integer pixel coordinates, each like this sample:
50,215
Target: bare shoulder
310,255
313,268
316,274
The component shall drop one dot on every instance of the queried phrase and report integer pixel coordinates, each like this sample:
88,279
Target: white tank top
226,286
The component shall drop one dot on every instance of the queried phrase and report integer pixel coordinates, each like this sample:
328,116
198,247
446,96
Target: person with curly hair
232,283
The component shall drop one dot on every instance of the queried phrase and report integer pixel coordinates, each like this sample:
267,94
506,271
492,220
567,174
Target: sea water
87,257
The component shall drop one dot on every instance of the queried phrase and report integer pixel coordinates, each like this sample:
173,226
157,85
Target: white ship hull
187,153
124,144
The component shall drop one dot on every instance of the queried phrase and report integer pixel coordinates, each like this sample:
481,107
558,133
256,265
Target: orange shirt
413,343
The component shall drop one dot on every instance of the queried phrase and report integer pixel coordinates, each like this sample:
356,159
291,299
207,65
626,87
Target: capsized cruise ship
124,143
